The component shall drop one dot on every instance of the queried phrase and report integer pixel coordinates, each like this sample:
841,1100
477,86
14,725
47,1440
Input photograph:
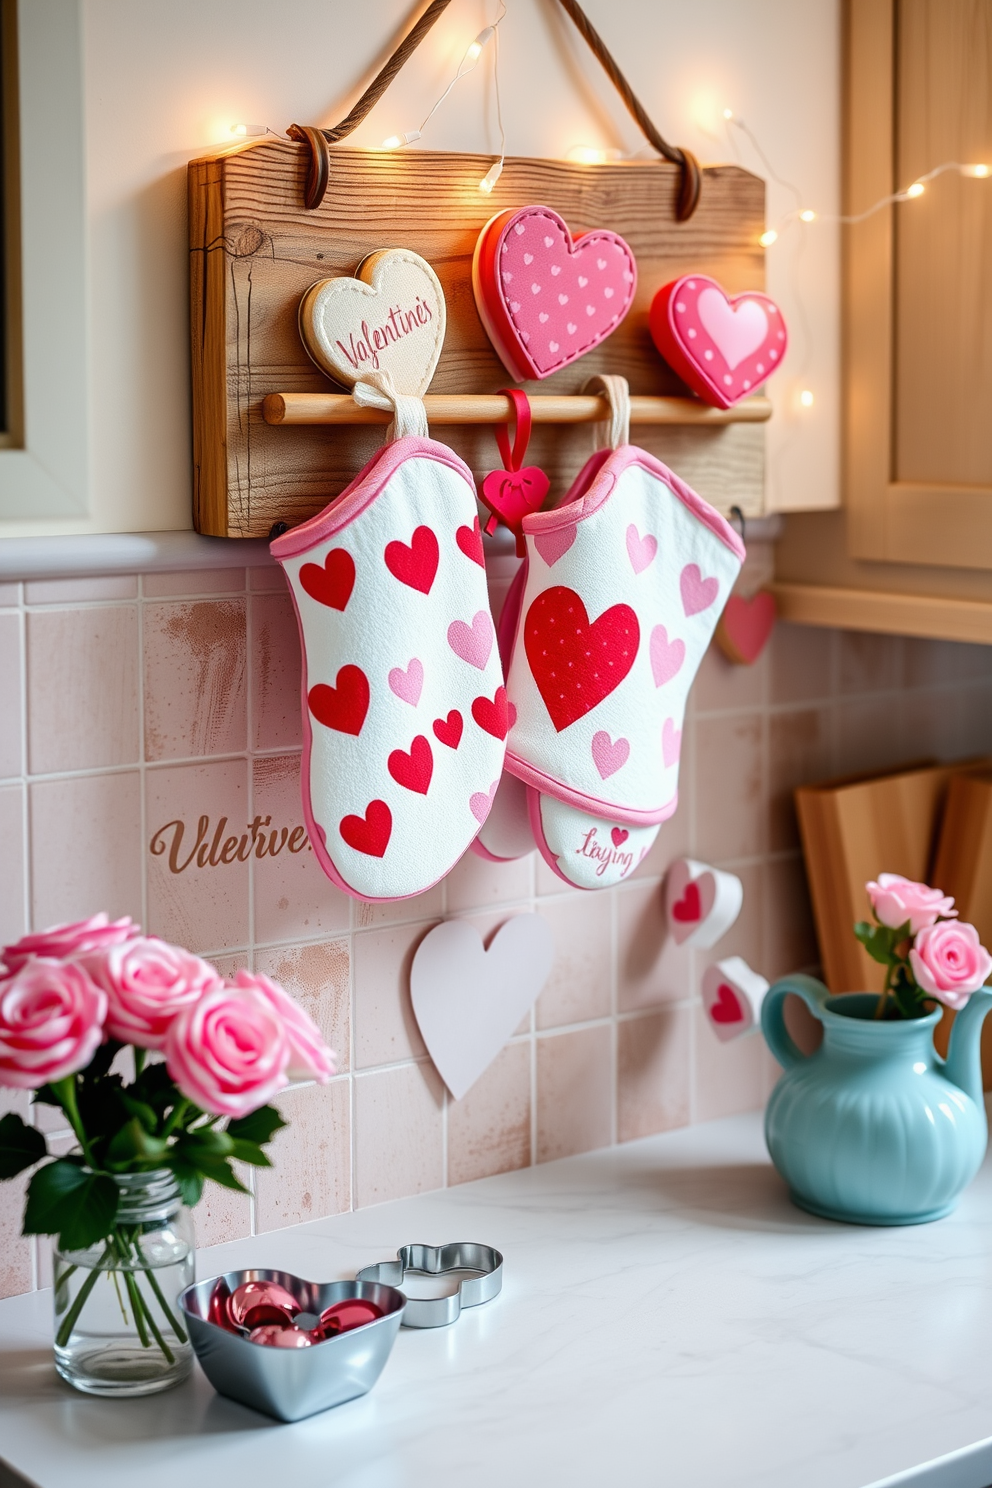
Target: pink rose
896,899
309,1056
51,1022
68,940
228,1051
147,983
949,962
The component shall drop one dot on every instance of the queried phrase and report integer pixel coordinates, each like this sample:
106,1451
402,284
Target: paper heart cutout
640,550
407,685
732,996
514,494
369,833
576,291
473,643
576,662
743,630
469,540
413,769
330,583
414,563
666,656
723,347
697,593
556,543
344,706
468,1000
391,317
701,903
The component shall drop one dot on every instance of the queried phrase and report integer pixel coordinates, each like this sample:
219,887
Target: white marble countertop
667,1318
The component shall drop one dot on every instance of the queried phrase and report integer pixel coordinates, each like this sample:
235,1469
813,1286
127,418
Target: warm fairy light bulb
397,141
243,131
768,238
917,189
475,48
589,155
806,398
728,113
807,216
491,177
978,171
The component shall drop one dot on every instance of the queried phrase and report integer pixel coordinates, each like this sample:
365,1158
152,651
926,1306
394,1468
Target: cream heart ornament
701,902
469,1000
390,318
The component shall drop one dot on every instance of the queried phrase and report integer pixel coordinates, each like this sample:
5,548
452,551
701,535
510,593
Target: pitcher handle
813,993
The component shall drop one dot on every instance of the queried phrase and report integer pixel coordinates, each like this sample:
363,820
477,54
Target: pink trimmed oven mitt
622,587
404,710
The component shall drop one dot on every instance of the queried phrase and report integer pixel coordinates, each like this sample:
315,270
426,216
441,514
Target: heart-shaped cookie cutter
435,1260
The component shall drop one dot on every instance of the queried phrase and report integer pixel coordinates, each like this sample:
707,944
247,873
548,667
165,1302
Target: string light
768,238
807,216
496,169
589,155
806,398
473,52
249,131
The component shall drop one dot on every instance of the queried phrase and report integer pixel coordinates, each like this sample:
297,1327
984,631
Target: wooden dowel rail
493,408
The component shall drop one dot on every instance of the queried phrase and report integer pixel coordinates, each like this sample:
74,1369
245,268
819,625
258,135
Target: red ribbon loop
522,420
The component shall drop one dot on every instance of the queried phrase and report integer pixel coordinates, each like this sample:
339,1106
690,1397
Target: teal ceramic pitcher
874,1127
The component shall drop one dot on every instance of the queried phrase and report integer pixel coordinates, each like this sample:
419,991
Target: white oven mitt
625,581
404,710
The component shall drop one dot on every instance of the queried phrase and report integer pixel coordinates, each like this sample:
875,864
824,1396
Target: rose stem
66,1090
72,1316
151,1321
137,1307
173,1324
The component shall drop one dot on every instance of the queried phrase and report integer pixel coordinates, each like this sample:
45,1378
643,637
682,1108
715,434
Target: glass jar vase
118,1328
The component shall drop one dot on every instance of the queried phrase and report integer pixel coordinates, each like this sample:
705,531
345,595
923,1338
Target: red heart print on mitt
494,717
415,563
544,298
413,770
369,833
576,662
469,540
331,584
344,706
723,347
449,730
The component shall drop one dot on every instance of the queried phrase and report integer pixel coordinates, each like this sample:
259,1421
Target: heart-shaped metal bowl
292,1383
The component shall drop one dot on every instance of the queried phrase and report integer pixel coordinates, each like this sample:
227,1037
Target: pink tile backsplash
164,784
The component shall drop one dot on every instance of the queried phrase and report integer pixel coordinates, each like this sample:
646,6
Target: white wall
163,82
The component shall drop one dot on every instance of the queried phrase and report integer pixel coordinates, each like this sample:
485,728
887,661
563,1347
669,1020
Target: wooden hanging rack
494,408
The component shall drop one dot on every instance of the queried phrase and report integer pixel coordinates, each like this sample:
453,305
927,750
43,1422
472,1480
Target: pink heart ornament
609,755
640,550
472,643
732,996
407,685
666,656
697,593
468,1000
514,494
723,347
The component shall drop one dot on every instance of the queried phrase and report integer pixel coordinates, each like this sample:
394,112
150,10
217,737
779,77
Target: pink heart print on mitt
625,581
544,298
722,346
404,711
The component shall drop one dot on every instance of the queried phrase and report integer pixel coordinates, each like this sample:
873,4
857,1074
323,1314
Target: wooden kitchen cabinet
912,549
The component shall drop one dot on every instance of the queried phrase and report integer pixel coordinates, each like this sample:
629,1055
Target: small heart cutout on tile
732,996
744,628
468,1000
701,902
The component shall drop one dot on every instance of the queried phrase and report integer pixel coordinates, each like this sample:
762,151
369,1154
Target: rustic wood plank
254,250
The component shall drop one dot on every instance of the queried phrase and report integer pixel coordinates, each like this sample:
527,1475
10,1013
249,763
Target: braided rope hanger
319,140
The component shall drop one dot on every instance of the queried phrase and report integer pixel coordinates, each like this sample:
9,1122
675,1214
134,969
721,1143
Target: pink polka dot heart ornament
722,346
544,297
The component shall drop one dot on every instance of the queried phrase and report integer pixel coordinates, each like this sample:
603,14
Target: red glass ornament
355,1312
280,1337
255,1303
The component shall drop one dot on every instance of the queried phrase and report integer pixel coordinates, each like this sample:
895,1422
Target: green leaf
210,1143
140,1110
190,1181
20,1146
134,1142
251,1153
67,1201
261,1126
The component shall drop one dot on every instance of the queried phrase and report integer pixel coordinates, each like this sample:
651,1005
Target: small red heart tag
512,495
726,1008
689,908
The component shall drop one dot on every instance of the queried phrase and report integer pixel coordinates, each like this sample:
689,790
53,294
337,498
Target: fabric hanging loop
377,390
513,459
318,140
614,430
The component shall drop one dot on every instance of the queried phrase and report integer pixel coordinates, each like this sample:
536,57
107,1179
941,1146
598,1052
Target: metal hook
735,511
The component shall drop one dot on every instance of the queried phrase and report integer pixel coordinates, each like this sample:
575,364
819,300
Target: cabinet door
918,283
